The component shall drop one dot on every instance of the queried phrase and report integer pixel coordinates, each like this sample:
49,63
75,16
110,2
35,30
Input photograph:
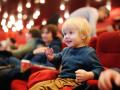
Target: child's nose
67,35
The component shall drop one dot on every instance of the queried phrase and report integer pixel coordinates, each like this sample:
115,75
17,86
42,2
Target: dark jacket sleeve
59,55
94,64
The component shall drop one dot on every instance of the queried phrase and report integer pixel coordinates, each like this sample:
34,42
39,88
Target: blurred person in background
51,40
8,44
92,15
33,39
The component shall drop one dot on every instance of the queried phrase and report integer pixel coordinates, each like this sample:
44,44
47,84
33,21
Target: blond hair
80,24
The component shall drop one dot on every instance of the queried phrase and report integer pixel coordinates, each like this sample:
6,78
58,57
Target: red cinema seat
93,42
108,49
19,85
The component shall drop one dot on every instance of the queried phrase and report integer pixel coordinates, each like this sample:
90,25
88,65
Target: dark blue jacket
73,59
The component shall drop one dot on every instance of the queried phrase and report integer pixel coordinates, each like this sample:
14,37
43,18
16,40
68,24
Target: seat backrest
93,42
108,49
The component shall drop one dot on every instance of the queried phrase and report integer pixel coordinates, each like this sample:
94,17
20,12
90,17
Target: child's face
72,37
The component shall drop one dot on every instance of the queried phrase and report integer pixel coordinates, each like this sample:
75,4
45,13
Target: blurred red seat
18,85
108,49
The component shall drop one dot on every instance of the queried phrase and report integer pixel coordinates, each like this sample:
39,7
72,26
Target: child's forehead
69,28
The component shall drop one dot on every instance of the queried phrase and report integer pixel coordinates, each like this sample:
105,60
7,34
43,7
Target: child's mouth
68,42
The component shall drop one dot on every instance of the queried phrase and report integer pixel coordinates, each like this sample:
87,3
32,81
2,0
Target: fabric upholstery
19,85
108,49
41,76
93,42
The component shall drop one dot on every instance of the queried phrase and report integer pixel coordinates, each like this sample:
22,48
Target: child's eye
71,32
64,34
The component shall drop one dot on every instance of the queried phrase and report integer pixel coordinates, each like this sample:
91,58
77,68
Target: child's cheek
64,40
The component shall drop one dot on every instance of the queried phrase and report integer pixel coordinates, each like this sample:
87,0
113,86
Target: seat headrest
109,42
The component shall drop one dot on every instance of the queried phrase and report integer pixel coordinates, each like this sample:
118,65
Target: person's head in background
103,13
76,32
49,33
33,33
12,41
9,43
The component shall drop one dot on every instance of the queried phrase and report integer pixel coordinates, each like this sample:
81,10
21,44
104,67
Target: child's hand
82,75
49,53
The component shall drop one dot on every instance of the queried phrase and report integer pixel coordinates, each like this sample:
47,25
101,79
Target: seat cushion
92,82
41,76
19,85
66,88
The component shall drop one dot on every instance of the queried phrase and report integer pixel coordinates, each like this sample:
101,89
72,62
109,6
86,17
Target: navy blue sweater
73,59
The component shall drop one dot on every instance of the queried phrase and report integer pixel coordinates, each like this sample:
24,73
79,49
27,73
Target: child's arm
82,75
54,57
92,63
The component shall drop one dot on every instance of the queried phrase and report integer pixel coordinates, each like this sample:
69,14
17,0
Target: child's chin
69,45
